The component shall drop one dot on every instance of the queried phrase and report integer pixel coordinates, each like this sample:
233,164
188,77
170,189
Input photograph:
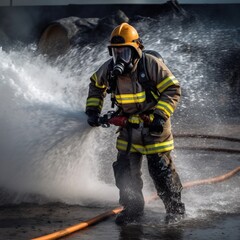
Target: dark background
27,23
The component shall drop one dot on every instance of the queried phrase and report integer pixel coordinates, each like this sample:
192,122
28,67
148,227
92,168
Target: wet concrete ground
27,221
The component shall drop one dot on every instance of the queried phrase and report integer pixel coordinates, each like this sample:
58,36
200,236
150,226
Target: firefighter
137,137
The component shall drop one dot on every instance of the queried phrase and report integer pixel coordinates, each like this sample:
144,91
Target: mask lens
122,53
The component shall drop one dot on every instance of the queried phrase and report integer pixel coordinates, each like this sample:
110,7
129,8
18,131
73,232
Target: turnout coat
131,98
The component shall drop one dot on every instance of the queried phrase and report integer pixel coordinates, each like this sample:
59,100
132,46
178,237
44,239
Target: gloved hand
157,124
93,118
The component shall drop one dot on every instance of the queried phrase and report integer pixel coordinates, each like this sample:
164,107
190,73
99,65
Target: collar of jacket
135,65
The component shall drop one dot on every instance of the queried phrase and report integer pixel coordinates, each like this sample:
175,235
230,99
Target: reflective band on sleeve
94,102
154,95
167,108
131,98
167,82
148,149
94,78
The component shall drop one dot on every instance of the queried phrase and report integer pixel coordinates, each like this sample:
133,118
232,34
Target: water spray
105,215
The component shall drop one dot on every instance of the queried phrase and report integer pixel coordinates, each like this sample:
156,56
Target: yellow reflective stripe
94,78
167,108
122,145
135,119
151,117
131,98
167,82
148,149
155,96
94,102
160,147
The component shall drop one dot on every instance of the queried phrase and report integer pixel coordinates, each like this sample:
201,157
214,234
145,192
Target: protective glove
93,118
157,124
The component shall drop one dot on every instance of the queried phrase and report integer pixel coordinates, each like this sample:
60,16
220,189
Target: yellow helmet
125,35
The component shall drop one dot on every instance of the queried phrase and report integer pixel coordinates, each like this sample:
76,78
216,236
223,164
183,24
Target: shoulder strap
112,83
109,77
145,80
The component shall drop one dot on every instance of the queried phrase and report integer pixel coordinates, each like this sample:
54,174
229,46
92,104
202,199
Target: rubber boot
175,209
127,172
168,185
126,217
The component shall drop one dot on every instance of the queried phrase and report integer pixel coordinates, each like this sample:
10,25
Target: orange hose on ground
79,226
105,215
211,180
205,181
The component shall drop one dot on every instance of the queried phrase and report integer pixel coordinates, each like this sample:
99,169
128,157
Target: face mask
123,54
122,57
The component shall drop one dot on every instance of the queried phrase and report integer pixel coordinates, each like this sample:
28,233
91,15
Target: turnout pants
127,172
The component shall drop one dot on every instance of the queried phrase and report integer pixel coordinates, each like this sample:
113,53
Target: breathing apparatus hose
103,216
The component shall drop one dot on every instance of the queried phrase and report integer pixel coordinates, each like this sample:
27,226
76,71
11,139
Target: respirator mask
122,60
